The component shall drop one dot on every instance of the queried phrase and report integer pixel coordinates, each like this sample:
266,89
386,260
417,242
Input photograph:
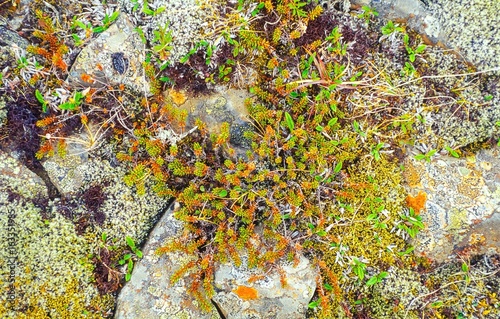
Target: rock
12,46
16,13
186,20
460,193
122,211
149,293
241,296
226,105
469,27
114,57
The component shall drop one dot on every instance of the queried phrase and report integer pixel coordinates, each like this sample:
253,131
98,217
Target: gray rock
150,294
240,297
463,198
114,57
469,27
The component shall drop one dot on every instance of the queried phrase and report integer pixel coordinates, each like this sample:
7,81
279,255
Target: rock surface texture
114,57
240,296
469,27
462,202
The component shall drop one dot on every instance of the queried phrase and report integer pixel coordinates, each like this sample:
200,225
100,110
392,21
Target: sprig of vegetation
106,22
391,28
427,156
412,223
128,258
367,13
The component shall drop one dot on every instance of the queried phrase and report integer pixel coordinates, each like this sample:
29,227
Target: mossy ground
336,100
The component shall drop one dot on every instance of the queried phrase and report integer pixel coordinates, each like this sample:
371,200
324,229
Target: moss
362,239
53,273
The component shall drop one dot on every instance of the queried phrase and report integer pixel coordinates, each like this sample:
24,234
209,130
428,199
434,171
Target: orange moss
246,293
417,202
178,97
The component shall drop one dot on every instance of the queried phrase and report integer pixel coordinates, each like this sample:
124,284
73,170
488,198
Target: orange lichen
87,78
417,202
246,293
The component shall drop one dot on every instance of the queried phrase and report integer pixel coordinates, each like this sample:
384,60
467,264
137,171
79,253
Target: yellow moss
410,174
368,179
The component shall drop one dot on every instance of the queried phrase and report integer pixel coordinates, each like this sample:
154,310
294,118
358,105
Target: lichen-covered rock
150,294
187,20
122,212
114,57
473,27
249,293
460,192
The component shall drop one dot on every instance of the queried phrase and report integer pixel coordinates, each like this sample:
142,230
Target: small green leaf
160,10
465,268
319,128
419,157
488,97
372,281
98,29
321,233
452,152
223,193
313,304
67,106
42,101
114,16
332,122
128,277
289,121
130,242
420,48
407,252
338,167
138,253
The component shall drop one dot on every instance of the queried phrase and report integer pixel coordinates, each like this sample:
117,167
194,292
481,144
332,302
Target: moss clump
365,227
53,271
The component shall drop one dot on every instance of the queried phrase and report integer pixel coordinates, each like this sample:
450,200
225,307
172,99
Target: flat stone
241,297
149,293
460,195
114,57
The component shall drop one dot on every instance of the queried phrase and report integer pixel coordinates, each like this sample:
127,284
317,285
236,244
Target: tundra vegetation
335,102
